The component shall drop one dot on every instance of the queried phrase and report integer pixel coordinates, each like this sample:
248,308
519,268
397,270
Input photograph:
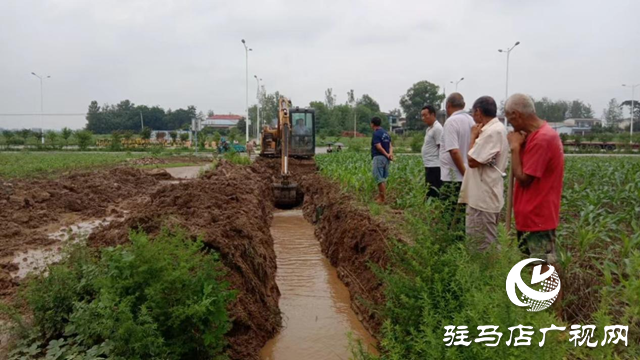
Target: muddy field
230,208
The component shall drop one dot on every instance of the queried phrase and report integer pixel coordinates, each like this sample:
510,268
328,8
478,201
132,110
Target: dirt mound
231,209
352,240
28,205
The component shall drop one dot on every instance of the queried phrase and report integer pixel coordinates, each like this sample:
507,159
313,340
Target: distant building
222,121
396,123
575,126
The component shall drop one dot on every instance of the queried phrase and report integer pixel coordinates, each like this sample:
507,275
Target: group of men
465,162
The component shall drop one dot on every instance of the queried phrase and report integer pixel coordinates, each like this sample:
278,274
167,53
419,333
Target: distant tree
39,136
329,98
66,134
216,137
25,134
420,94
210,113
127,135
116,140
184,137
174,135
234,134
579,109
351,97
368,102
636,105
613,113
550,110
395,112
51,137
145,133
84,137
8,136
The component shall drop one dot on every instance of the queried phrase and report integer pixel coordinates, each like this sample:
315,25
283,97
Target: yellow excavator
293,136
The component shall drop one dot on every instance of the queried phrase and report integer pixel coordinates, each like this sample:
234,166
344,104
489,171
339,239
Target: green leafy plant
153,298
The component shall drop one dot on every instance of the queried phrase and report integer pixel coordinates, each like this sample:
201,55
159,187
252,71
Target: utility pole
258,108
633,88
506,91
246,121
141,122
41,100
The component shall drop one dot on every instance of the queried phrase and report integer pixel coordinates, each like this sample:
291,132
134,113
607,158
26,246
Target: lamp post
41,98
456,83
246,52
258,108
506,91
633,88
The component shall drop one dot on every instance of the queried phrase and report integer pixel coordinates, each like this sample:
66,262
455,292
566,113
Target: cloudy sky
179,53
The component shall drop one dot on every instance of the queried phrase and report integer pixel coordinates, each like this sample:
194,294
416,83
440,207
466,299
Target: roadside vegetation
161,298
434,281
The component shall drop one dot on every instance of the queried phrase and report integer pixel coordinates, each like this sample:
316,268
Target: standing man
431,151
381,154
454,146
483,185
538,168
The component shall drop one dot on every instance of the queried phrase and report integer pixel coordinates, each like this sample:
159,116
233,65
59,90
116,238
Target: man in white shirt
454,146
483,184
431,151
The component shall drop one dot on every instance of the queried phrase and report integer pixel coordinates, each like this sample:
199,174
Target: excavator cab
303,140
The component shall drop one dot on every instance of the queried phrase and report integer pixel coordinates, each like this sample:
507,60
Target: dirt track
230,208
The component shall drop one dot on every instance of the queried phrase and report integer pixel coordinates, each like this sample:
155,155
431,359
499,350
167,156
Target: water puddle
316,308
38,259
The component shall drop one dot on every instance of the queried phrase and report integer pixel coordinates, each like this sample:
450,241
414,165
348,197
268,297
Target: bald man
454,146
537,160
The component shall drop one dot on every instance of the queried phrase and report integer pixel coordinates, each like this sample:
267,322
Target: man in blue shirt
381,154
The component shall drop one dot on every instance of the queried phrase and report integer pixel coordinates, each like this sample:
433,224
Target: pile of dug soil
230,209
29,205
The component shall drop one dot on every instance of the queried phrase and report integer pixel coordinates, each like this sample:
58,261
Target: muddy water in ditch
315,304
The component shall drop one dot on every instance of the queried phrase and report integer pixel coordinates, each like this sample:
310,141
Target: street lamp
506,91
246,51
633,88
258,108
457,82
41,98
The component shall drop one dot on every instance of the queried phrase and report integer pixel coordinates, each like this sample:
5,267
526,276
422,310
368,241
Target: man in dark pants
431,151
381,154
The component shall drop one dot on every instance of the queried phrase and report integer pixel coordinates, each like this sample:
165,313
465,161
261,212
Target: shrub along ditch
153,298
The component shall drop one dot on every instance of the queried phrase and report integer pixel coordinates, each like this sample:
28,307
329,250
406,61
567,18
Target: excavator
292,137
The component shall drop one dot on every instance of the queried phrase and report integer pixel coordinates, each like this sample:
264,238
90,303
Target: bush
84,137
149,299
416,142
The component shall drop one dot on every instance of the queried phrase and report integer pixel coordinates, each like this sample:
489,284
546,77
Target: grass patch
150,299
28,164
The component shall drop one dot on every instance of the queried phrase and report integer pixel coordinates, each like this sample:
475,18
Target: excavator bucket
286,194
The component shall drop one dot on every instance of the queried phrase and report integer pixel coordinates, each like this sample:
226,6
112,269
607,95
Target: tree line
125,116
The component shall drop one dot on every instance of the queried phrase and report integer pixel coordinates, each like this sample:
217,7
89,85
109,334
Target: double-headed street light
633,88
506,91
258,108
456,83
246,121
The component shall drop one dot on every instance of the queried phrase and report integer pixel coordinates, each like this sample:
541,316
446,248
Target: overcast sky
179,53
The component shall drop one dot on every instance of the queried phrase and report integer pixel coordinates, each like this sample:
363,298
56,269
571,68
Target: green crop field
436,281
26,164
